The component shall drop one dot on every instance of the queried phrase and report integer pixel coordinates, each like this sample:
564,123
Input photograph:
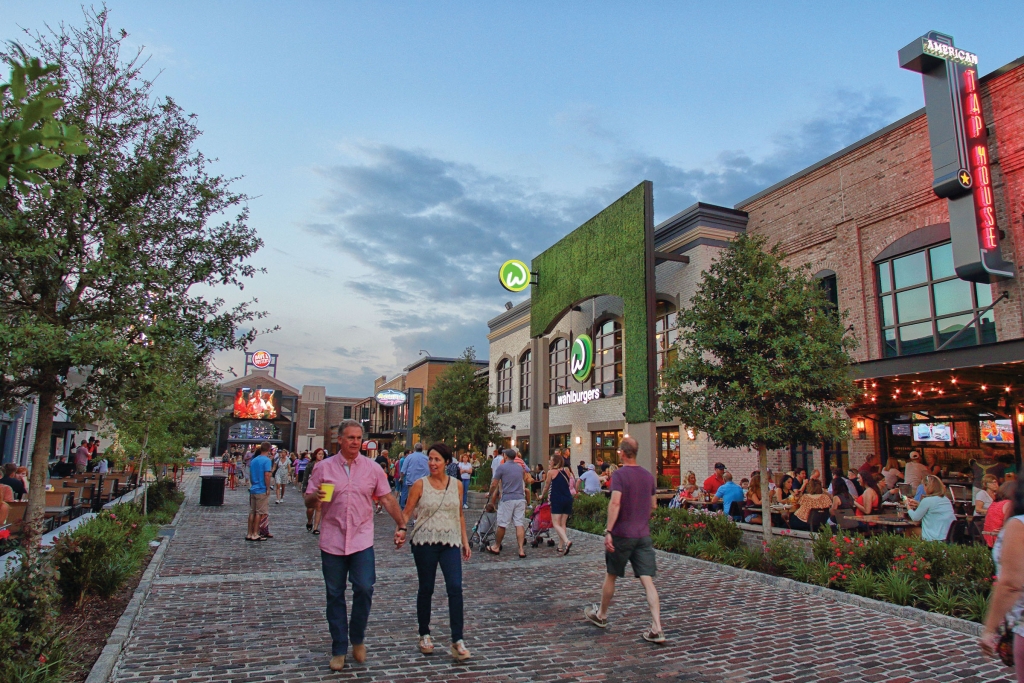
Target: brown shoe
359,653
338,663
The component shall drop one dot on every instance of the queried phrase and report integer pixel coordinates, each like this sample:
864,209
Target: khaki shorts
638,552
259,503
510,512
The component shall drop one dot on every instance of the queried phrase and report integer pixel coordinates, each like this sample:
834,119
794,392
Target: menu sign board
960,155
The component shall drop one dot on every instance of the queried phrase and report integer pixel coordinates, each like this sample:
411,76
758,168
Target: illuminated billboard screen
257,403
936,431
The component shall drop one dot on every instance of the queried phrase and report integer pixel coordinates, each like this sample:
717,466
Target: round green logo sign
581,360
514,275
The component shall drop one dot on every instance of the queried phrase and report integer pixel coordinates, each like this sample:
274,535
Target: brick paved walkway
222,609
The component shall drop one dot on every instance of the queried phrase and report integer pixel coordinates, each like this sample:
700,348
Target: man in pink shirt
346,536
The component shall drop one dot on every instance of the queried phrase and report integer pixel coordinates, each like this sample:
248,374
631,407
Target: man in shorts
511,477
259,492
627,538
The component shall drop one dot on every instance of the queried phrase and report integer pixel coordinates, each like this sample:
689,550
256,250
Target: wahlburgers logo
514,275
578,397
581,360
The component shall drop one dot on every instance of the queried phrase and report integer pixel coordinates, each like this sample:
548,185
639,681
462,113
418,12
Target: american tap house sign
961,169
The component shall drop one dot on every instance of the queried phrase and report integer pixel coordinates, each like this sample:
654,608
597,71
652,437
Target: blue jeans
338,569
465,491
427,557
403,496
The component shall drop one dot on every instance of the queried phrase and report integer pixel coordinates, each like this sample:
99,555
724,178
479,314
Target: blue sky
397,153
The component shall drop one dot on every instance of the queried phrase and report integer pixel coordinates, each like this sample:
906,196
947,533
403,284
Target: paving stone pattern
222,609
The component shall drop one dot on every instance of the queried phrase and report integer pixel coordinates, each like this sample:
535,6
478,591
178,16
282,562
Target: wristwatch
401,528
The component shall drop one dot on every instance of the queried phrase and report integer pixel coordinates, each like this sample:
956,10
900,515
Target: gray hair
509,453
349,424
629,446
418,447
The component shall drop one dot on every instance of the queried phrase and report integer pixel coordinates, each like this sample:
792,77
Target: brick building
940,361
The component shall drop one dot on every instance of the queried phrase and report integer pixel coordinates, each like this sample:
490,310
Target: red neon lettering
971,80
980,156
989,238
981,173
988,217
975,126
973,103
986,195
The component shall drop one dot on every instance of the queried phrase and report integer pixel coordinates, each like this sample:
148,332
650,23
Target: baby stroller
540,525
483,530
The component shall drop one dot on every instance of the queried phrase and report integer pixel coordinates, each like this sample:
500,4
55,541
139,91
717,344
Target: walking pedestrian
438,539
1005,604
465,473
300,469
512,479
559,488
414,469
313,514
345,486
259,493
627,538
281,474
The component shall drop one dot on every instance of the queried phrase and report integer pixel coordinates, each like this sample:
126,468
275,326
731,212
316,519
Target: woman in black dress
559,483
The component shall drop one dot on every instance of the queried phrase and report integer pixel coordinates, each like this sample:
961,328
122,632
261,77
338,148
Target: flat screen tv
996,431
257,403
933,431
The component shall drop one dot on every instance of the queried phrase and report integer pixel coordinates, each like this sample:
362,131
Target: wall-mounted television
257,403
996,431
933,431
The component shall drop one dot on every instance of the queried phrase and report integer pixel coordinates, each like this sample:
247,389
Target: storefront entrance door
606,445
668,455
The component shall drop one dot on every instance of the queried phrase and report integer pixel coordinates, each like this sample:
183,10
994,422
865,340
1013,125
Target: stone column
539,402
646,435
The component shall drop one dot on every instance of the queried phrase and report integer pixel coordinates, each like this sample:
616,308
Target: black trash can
211,491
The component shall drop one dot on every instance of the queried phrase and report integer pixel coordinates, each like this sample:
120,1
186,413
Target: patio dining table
908,526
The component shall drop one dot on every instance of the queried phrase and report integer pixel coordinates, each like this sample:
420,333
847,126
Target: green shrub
975,606
820,574
799,571
943,600
862,582
712,551
968,568
590,508
897,588
483,476
30,647
163,499
664,481
822,544
781,556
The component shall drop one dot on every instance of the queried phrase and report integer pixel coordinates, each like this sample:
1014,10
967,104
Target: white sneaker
465,507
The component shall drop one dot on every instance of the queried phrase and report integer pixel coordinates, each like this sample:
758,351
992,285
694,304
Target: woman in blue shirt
935,511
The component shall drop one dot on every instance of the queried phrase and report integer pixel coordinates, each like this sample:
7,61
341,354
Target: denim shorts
639,552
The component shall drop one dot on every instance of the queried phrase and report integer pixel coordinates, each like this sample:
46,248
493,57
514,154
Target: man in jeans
627,538
259,492
413,469
511,477
346,536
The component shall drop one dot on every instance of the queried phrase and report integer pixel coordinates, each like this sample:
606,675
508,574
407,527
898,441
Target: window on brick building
312,418
347,413
665,334
558,360
504,386
923,304
608,358
525,377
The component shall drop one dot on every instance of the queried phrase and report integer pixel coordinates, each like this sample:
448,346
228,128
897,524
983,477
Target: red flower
928,577
42,659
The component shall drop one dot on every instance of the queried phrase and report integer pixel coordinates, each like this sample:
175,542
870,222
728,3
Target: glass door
606,445
668,455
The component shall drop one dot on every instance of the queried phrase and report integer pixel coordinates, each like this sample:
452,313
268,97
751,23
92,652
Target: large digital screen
257,403
996,431
935,431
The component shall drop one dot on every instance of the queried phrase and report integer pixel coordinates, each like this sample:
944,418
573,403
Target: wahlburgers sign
514,275
578,397
581,359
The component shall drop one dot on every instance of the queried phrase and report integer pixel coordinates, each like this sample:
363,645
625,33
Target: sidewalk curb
912,613
103,669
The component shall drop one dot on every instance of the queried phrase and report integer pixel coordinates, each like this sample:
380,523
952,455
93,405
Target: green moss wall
605,255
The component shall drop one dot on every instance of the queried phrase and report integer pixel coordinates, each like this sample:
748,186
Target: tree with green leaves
31,139
459,411
763,358
108,261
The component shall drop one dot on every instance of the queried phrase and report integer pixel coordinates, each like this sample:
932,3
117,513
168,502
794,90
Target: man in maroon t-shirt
627,538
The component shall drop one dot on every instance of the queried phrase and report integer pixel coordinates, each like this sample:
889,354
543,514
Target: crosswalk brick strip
223,609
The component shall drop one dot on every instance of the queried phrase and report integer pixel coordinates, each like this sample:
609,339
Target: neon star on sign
514,275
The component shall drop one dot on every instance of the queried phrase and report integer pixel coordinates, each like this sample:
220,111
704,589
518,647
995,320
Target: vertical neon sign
977,143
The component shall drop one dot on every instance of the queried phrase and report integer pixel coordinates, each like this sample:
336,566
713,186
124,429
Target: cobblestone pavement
222,609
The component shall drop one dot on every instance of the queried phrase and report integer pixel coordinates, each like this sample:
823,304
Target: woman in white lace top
439,538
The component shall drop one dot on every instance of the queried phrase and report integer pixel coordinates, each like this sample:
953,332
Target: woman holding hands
439,538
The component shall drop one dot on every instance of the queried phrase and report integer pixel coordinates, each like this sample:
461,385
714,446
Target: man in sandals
627,538
511,478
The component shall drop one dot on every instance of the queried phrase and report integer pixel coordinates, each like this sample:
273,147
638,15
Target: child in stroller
483,530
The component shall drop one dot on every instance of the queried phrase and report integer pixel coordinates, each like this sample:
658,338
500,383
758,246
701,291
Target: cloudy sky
397,153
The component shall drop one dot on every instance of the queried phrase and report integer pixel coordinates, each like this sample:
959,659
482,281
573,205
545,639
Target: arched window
505,386
665,334
525,377
608,358
923,304
558,360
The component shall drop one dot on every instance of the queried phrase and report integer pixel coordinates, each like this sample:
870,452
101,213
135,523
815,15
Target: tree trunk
40,471
766,503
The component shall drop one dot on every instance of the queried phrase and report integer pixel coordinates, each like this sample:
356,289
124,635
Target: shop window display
922,304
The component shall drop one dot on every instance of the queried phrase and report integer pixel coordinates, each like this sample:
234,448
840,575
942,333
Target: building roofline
505,317
1006,68
699,214
442,361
